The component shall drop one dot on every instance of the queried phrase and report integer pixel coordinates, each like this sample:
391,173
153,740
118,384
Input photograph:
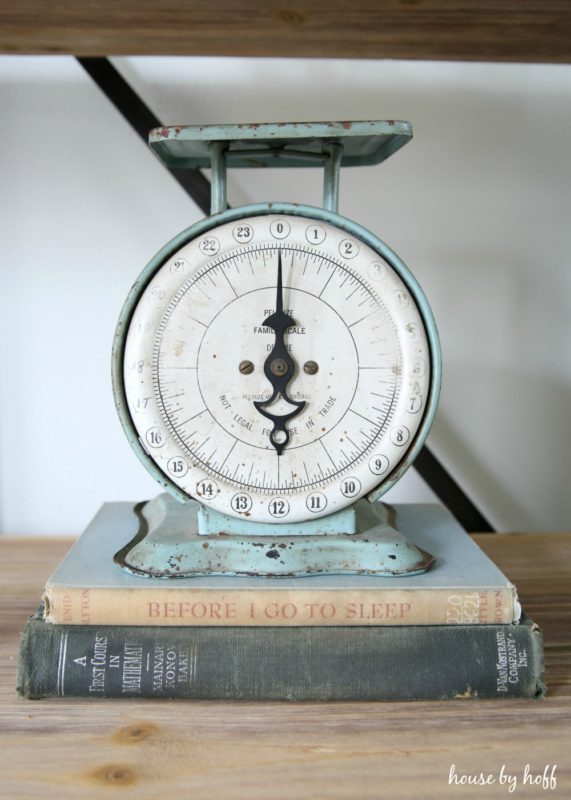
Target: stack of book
455,632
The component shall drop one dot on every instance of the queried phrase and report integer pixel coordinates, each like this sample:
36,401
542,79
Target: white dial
200,368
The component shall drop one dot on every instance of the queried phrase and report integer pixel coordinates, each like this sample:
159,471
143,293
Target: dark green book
418,662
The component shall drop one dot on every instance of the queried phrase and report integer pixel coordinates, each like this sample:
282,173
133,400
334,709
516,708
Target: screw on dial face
279,369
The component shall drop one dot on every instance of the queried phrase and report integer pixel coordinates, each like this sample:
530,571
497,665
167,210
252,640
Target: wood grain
223,750
475,30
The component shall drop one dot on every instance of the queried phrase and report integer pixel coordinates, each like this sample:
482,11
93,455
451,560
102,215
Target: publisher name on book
316,611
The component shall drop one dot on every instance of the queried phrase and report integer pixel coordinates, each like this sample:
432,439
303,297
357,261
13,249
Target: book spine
377,663
172,606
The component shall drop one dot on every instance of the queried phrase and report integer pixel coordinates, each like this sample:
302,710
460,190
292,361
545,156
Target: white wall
477,205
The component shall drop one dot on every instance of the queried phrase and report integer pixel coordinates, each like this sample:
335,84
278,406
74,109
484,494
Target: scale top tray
288,144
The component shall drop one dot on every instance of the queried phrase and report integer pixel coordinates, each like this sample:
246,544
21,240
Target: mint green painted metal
211,521
309,144
168,545
218,200
331,170
291,144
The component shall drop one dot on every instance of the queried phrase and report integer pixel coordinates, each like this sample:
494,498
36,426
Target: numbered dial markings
198,357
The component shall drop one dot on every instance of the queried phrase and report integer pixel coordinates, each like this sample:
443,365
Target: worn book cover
463,587
417,662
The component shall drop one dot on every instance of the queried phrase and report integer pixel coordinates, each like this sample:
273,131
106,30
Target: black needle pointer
279,369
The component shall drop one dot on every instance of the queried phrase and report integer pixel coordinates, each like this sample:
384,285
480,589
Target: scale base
180,540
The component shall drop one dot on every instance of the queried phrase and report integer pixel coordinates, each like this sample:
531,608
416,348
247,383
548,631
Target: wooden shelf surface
76,748
472,30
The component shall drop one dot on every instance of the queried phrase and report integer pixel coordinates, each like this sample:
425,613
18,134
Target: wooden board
134,749
474,30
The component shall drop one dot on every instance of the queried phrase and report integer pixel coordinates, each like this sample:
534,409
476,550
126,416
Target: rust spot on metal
205,545
272,554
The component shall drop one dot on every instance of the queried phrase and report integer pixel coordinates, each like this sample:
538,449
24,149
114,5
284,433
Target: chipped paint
169,544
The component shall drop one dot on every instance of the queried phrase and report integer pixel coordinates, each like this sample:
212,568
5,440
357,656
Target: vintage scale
276,368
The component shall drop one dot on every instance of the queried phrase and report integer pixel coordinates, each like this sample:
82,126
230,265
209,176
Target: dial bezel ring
236,214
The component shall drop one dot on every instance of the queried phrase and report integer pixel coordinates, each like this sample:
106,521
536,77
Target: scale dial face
276,367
